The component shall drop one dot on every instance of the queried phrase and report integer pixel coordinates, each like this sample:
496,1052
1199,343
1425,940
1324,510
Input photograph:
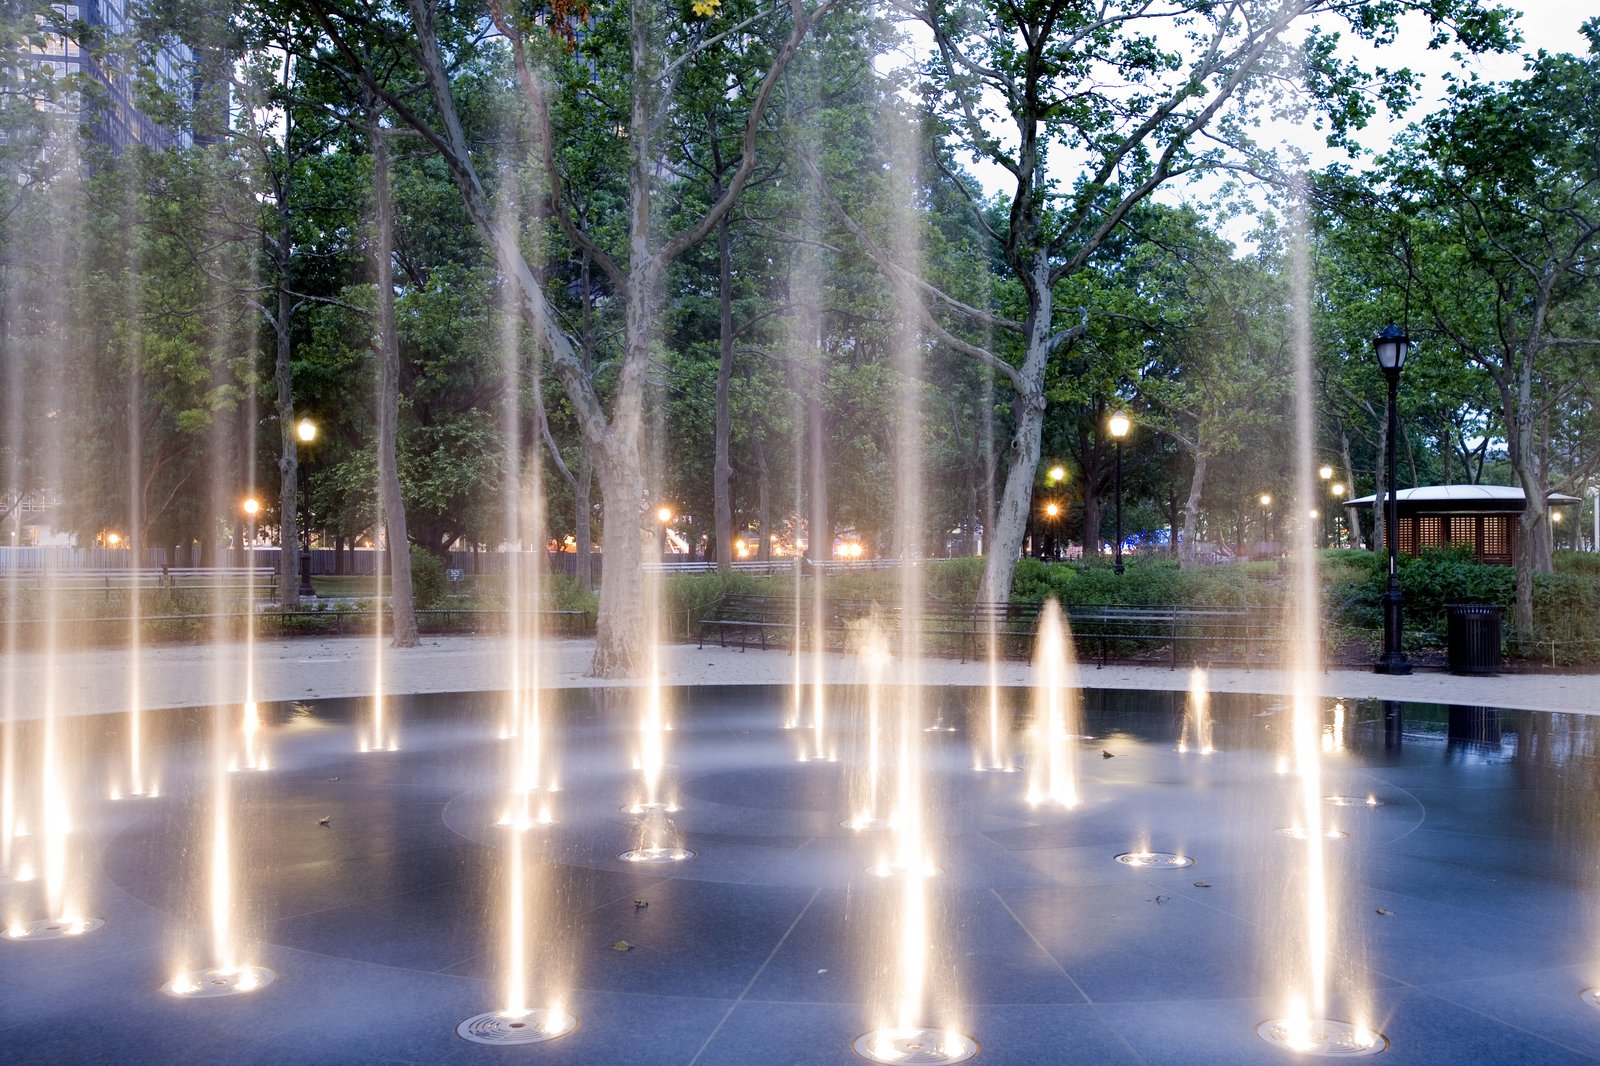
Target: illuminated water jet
1196,732
1052,762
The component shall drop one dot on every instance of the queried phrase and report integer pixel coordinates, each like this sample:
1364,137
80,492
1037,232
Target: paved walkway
89,682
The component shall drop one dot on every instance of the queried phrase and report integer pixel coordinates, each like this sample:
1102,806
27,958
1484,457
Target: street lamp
1056,474
1265,500
663,515
306,431
1392,346
251,507
1119,426
1052,511
1325,472
1337,489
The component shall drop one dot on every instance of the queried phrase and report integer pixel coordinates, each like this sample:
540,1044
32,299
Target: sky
1548,24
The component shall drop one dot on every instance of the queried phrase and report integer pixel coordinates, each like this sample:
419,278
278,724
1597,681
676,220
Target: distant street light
1392,346
1265,500
1119,424
306,431
663,515
1325,472
251,507
1052,512
1056,474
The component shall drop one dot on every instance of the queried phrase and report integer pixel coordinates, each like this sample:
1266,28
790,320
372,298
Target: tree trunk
722,466
289,455
1188,556
1022,464
763,499
1532,554
1380,478
1016,499
582,520
819,531
401,600
1352,513
619,635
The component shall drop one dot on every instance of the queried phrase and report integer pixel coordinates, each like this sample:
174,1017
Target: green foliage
1566,617
563,592
428,583
1147,582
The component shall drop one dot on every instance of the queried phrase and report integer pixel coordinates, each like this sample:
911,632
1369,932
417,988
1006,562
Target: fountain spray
1196,734
1053,735
1308,1024
531,969
914,1003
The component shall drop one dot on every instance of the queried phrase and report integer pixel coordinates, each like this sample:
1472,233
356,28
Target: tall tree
1500,195
1088,111
657,46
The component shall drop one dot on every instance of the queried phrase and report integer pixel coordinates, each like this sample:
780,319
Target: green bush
428,583
1146,582
955,580
1430,581
1585,563
563,592
1566,613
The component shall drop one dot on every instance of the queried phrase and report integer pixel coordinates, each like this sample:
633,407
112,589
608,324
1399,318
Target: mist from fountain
380,733
869,772
534,966
1320,959
1057,714
913,1002
12,823
237,741
57,777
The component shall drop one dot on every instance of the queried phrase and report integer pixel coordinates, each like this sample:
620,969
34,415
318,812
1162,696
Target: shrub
428,583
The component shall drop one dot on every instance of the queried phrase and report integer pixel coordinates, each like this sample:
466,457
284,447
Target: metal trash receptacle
1472,638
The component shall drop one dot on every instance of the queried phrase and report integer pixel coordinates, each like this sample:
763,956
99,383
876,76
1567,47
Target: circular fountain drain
53,928
922,1047
208,984
1295,832
1354,801
1322,1036
1591,996
505,1027
1155,859
651,856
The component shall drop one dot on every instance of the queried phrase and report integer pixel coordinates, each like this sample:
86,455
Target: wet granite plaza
1471,890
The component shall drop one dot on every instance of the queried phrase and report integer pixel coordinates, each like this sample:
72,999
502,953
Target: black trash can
1472,638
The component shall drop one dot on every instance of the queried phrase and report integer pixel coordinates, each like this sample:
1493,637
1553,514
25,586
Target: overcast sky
1548,24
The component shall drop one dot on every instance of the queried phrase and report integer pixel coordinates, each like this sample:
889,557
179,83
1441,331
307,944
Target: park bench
747,618
1117,628
971,627
764,619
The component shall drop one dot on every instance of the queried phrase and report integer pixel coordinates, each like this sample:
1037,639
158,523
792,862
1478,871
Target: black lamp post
306,431
1392,346
1119,426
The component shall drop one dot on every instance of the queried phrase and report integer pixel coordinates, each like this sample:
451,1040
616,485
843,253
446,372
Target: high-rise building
111,112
